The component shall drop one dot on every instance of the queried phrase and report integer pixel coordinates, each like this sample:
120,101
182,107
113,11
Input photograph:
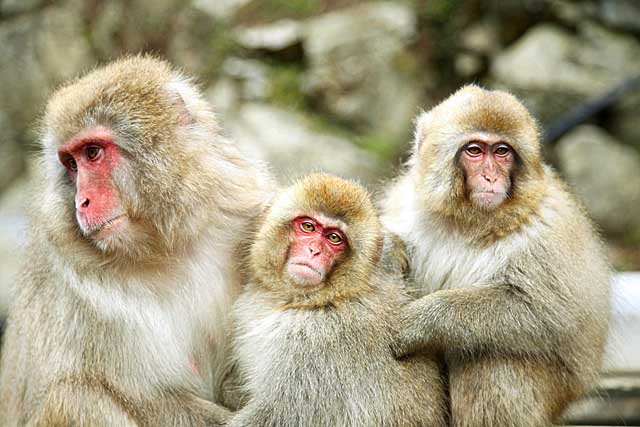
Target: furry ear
422,123
184,115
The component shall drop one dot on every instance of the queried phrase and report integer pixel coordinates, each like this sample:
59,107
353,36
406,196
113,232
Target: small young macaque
317,322
515,277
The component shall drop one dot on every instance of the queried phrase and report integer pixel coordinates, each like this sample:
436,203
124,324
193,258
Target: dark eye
502,150
71,164
474,150
93,152
334,238
307,226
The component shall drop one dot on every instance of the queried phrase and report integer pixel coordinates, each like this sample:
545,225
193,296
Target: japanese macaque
515,278
138,212
317,320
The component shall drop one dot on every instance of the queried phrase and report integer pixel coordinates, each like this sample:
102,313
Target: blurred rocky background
335,84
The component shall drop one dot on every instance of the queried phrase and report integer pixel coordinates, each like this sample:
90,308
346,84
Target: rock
468,65
358,63
481,38
554,70
122,26
573,13
625,120
288,143
621,14
242,80
39,50
12,238
251,74
273,37
43,49
12,155
11,7
220,9
606,176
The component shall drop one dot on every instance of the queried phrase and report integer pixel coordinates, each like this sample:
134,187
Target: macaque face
91,158
487,164
315,249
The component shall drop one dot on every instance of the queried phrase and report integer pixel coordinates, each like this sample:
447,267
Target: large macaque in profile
317,321
515,278
137,214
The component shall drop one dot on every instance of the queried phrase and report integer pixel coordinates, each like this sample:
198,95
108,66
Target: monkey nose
84,204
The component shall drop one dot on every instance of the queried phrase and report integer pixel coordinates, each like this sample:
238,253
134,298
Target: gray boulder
38,51
288,143
12,239
276,36
359,67
554,70
622,14
606,176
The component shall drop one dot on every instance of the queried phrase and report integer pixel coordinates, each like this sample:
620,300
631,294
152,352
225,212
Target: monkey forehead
327,221
130,91
327,195
476,110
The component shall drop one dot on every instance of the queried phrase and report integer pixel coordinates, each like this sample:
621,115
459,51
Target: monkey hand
417,332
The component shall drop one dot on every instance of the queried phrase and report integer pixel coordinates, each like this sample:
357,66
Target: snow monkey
138,209
515,278
318,319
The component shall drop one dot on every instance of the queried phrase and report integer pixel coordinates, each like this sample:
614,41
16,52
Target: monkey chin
487,200
110,234
304,275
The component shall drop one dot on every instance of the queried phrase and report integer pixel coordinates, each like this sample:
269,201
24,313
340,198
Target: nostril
85,203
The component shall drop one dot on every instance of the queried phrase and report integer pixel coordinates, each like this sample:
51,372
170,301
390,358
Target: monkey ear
422,123
184,115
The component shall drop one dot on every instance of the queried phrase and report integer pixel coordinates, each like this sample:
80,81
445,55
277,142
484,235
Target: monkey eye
502,150
473,150
93,152
71,164
334,238
307,226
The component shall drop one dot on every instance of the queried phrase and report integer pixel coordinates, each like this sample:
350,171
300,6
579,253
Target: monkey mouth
305,274
488,198
100,230
304,264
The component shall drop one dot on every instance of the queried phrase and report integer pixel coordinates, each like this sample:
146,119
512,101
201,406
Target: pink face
314,250
487,163
91,157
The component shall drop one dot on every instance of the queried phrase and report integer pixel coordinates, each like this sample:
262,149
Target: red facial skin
314,251
91,157
487,163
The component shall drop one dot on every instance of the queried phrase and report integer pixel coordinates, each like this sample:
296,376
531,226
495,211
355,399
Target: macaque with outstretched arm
515,277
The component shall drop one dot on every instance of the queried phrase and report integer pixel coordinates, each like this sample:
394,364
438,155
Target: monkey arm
496,318
394,258
79,401
234,395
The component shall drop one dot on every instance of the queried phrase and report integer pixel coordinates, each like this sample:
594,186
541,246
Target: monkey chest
448,262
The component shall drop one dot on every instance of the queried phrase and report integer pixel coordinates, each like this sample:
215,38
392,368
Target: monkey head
128,162
319,243
477,160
